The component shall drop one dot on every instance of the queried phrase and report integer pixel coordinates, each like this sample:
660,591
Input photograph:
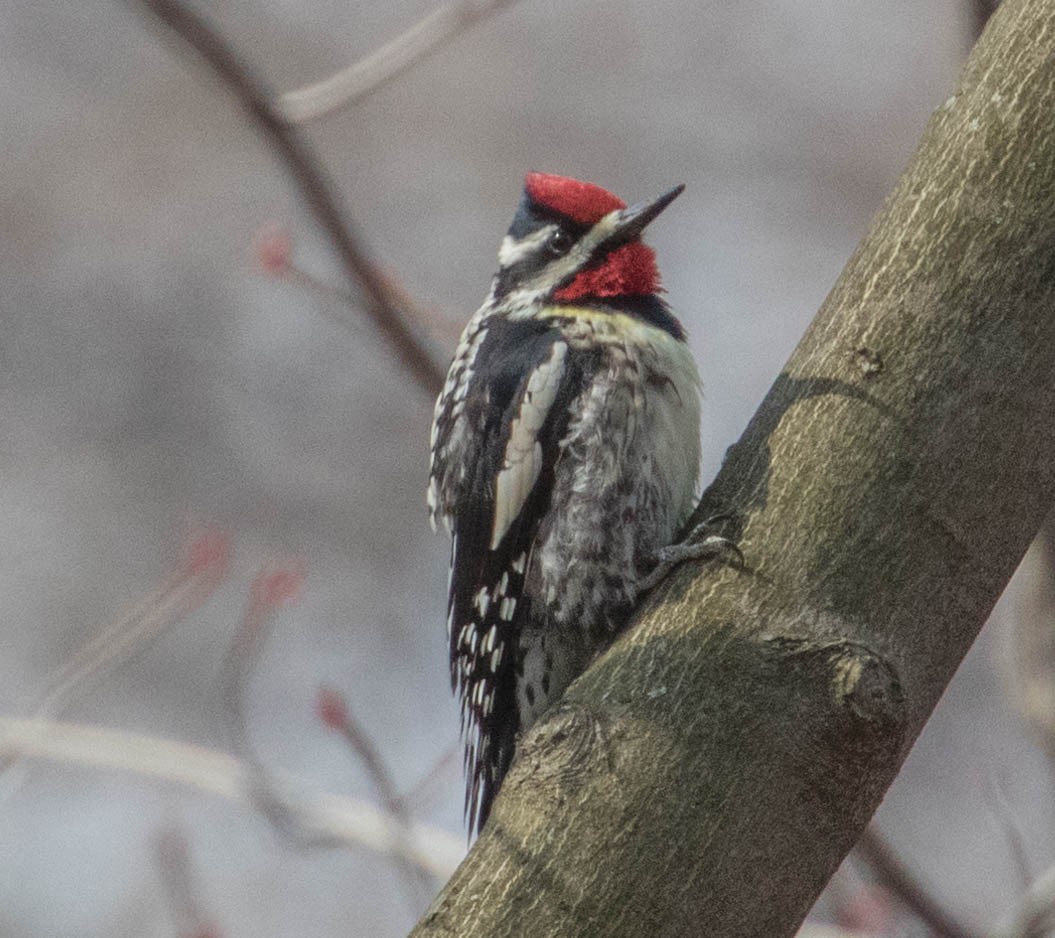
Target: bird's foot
700,544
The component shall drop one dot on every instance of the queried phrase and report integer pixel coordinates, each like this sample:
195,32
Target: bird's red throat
628,270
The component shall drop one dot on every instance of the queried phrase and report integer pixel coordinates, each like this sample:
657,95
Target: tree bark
709,772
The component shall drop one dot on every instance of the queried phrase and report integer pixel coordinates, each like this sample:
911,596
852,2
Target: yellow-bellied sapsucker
565,453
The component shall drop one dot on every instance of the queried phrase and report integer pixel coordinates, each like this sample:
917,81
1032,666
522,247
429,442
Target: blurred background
158,381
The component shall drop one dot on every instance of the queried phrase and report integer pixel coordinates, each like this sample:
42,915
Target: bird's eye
559,242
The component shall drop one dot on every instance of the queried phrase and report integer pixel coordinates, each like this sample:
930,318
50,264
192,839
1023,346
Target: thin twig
344,820
1028,652
334,710
201,571
1036,915
355,82
860,906
902,885
815,930
273,250
382,302
172,856
337,715
420,793
1005,816
200,574
271,589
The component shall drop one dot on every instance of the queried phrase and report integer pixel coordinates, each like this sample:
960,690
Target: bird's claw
698,545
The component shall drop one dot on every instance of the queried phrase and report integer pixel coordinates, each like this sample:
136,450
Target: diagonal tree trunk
707,774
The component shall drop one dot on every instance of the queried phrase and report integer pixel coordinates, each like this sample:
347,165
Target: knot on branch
565,746
866,685
866,703
844,720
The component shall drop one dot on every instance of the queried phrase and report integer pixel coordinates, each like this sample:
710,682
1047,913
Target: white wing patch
522,462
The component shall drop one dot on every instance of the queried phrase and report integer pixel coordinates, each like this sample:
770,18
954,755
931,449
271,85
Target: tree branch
711,770
1036,915
385,304
1029,653
980,11
898,880
355,82
344,821
173,860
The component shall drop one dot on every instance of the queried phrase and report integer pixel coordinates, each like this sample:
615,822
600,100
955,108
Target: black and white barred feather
496,448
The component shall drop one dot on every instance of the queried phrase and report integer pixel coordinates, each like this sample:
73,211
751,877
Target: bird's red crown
580,201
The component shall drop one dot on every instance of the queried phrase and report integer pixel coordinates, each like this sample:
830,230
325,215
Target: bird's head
573,242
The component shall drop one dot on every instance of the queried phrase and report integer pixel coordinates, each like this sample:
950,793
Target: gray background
151,378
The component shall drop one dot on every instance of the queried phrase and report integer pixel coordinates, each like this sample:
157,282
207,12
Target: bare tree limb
344,820
273,588
381,300
828,931
334,711
425,789
857,903
273,249
197,576
1028,654
980,11
898,880
182,592
360,79
1005,817
711,770
172,855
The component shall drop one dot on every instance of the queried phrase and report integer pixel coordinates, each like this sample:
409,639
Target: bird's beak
631,221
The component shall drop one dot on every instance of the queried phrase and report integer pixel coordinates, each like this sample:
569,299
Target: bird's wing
525,374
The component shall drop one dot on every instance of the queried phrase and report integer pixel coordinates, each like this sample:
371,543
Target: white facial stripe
577,257
522,462
510,251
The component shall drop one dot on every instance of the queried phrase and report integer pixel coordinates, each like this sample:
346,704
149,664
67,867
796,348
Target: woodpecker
564,459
